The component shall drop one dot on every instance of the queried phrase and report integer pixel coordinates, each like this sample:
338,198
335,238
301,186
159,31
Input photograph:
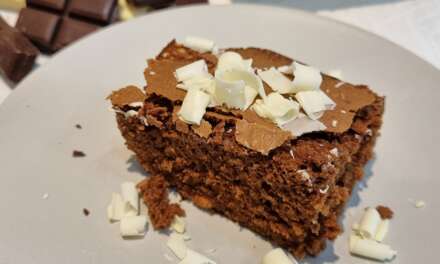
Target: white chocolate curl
177,244
306,78
191,70
303,124
199,44
315,103
382,230
276,256
178,224
194,106
277,108
370,249
133,226
233,61
130,197
115,210
277,81
369,223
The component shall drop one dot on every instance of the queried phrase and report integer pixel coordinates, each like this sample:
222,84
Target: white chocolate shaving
335,74
115,210
130,197
201,81
133,226
199,44
191,70
303,124
178,224
277,108
315,103
233,61
287,69
276,256
419,204
130,113
370,249
136,104
194,106
382,230
334,152
193,257
369,223
276,80
237,88
177,244
306,78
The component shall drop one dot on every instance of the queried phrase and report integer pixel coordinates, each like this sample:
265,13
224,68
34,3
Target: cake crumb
78,154
45,196
334,152
385,212
86,211
78,126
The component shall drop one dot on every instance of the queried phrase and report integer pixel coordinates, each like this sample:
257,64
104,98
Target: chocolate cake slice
288,183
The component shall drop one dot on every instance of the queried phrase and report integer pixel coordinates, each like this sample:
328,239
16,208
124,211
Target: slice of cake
269,143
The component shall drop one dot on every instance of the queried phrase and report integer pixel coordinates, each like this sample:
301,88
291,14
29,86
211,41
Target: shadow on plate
135,166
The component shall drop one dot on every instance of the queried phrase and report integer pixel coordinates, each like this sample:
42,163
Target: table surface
412,24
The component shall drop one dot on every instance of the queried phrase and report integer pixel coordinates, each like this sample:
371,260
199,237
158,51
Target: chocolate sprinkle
78,154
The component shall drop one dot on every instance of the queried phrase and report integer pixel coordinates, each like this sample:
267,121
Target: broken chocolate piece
78,154
17,54
190,2
86,211
152,3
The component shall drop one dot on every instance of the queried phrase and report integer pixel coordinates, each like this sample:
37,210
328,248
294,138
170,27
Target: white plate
37,136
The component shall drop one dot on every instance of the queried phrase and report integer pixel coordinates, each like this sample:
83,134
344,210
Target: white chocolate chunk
199,44
276,256
306,78
382,230
277,81
369,223
203,82
133,226
287,69
237,88
420,204
194,106
177,244
315,103
136,104
370,249
130,197
115,210
334,152
178,224
130,113
303,124
193,257
233,61
335,74
277,108
189,71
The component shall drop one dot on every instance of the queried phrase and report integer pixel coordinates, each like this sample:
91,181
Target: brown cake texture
290,190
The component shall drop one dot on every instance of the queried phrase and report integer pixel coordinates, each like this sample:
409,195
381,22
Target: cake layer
293,196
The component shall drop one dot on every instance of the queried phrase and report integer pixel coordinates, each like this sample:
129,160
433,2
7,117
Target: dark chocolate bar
17,54
189,2
54,24
152,3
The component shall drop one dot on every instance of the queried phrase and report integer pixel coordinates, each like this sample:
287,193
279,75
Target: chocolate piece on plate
54,24
17,54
